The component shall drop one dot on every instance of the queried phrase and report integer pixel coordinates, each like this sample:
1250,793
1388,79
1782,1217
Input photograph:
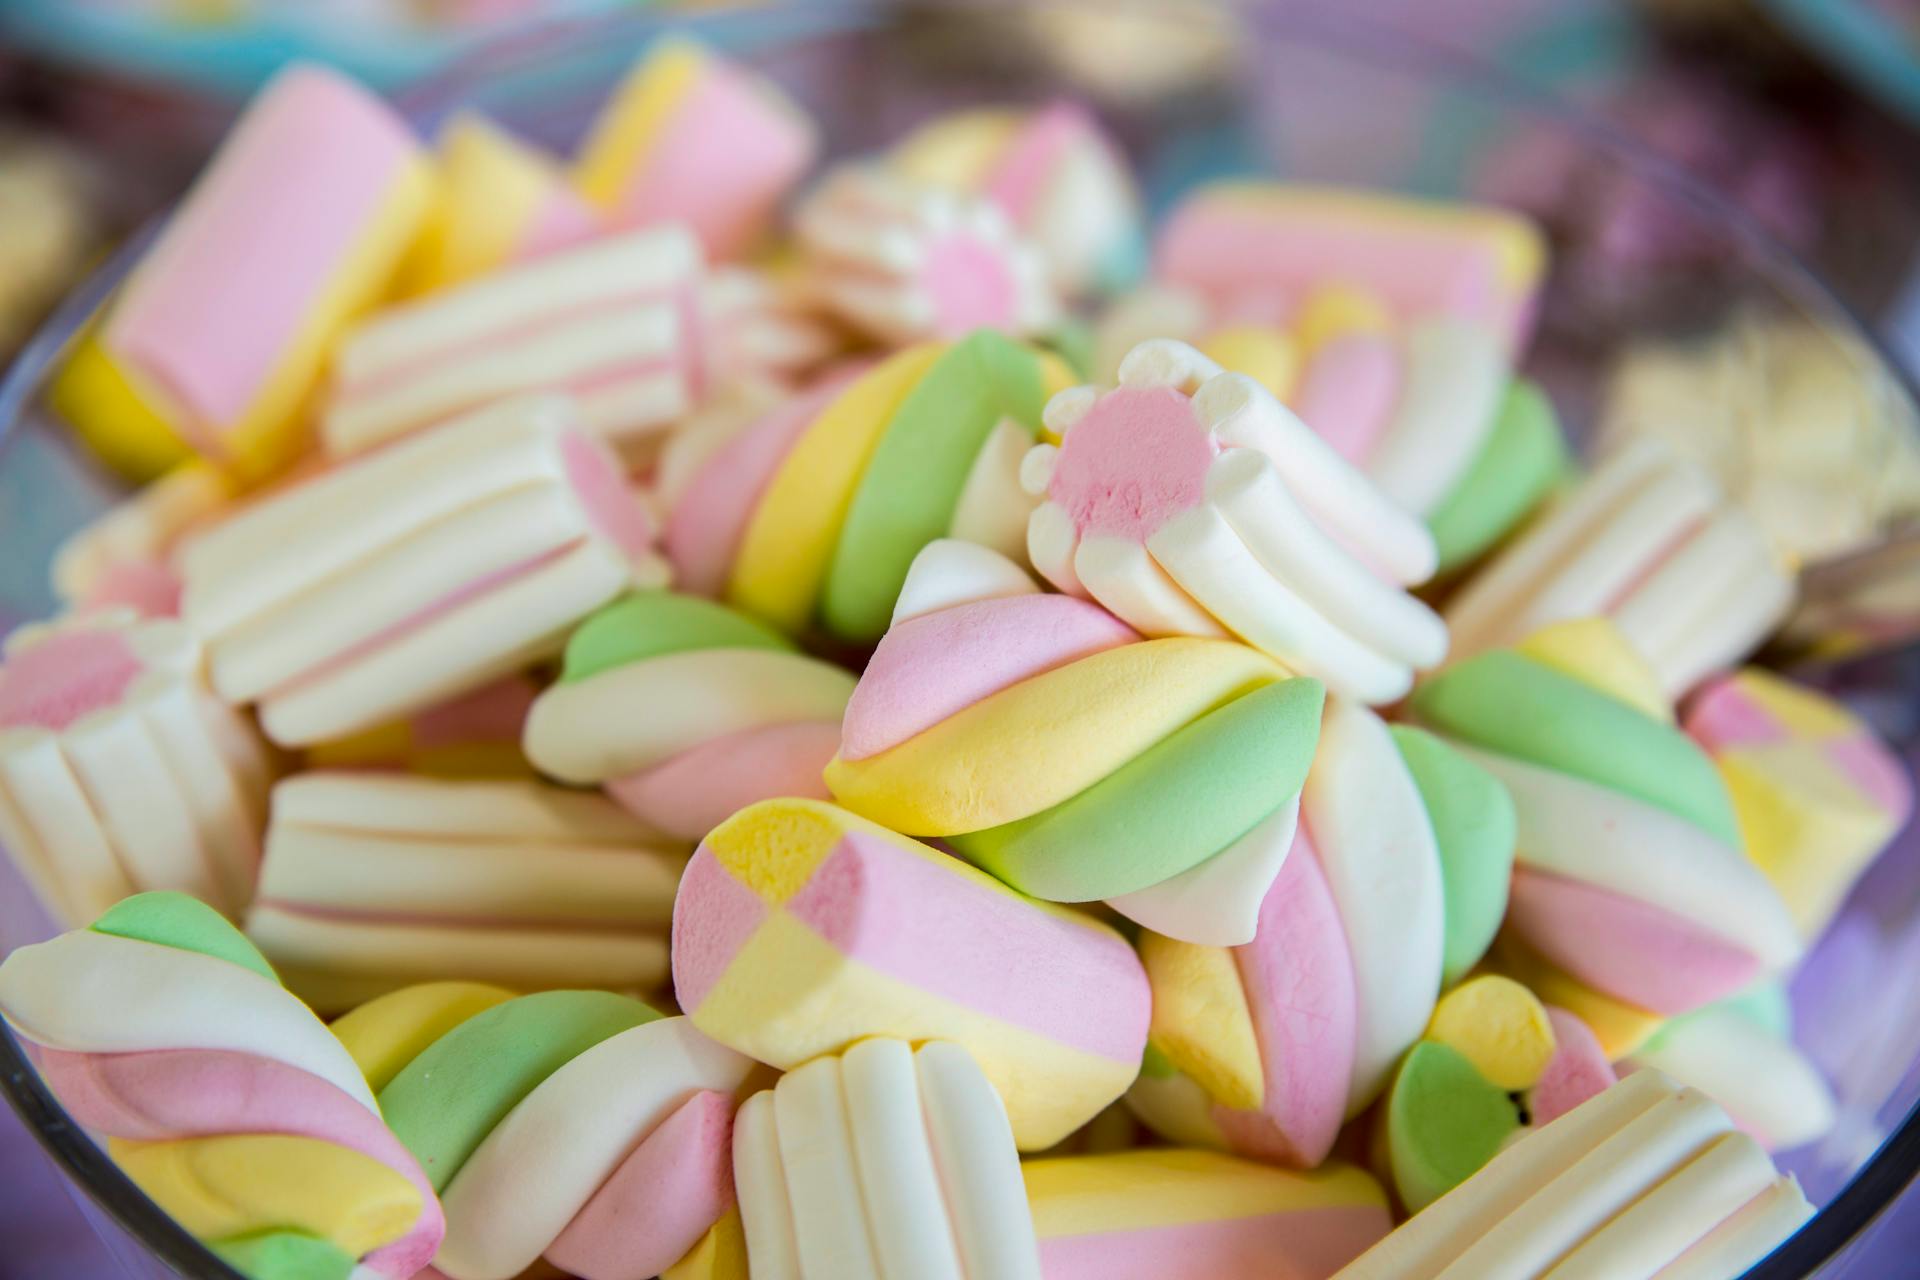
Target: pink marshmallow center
603,491
1138,459
66,676
971,284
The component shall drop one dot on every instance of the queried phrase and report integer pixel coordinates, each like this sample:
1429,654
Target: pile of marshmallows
1116,780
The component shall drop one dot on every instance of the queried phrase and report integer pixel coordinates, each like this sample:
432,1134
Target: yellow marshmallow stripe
1048,738
1497,1025
491,189
1137,1191
629,127
1201,1020
385,1034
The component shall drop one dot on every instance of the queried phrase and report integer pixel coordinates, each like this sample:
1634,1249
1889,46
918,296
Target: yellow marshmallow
385,1034
1592,651
1201,1020
1497,1025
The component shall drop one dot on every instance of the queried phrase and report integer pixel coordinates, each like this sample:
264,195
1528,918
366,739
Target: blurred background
1805,114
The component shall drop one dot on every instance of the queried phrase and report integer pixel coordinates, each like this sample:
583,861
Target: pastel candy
1190,502
371,883
1266,352
1278,243
758,326
685,711
1630,874
884,1162
1053,172
801,928
217,338
1049,744
415,574
472,735
576,1125
1767,1084
809,519
126,557
164,1030
608,323
906,261
1649,541
499,201
691,137
1269,1046
1625,1186
120,771
1817,794
1444,1121
1195,1215
1579,1069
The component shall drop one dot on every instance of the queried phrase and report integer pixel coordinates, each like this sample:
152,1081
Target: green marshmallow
1473,826
284,1255
913,481
1444,1122
651,624
1507,703
1523,458
179,920
1177,803
451,1096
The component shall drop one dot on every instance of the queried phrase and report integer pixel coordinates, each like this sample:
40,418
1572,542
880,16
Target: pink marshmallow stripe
1349,393
1628,949
612,506
1577,1071
1722,716
697,790
933,666
1307,1244
1022,173
69,674
494,712
293,191
970,283
1138,459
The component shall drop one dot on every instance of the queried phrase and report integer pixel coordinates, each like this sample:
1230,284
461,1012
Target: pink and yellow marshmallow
127,556
1189,501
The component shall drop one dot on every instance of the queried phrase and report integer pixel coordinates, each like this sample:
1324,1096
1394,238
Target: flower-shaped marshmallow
1189,501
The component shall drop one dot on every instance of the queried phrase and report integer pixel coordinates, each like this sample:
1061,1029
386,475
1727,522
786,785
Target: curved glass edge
1833,1228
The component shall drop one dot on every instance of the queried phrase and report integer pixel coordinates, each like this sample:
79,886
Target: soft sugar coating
1189,501
217,338
120,771
1631,877
1393,885
1648,541
578,1126
1048,743
219,1093
882,1163
801,928
685,711
1645,1181
809,519
1817,793
693,138
374,882
1171,1214
415,573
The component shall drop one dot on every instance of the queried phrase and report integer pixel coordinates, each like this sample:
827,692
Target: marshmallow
883,1163
801,928
220,1094
472,735
686,711
120,771
126,557
374,882
217,338
416,573
1190,502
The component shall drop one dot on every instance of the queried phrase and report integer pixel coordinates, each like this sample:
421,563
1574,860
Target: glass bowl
1195,94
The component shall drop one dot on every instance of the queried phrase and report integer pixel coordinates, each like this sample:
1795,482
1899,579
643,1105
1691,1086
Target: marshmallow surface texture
1646,540
609,323
1817,793
1630,875
882,1163
1189,501
1395,883
1053,172
801,928
126,557
395,581
691,137
120,771
578,1126
376,882
906,262
685,710
1645,1180
475,734
1172,1214
216,340
1051,745
220,1094
809,518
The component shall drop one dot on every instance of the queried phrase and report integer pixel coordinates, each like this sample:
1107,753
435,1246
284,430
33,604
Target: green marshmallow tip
1474,829
1444,1122
1522,460
284,1255
651,624
180,920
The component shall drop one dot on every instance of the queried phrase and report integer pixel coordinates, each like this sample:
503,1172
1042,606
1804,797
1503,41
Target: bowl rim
1872,1189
